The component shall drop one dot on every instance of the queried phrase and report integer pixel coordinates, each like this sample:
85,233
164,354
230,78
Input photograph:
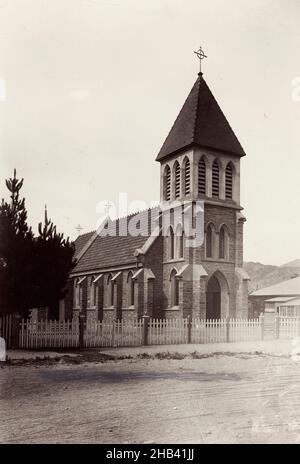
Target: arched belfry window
187,177
202,177
130,283
174,288
223,243
177,180
228,181
167,183
209,242
110,291
171,243
215,179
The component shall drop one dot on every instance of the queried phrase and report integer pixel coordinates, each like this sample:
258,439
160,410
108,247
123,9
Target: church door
213,299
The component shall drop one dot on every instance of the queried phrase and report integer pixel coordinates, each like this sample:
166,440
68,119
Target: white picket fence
6,328
225,330
167,331
66,334
113,334
289,327
49,334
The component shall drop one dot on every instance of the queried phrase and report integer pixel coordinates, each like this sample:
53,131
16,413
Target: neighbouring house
124,276
276,298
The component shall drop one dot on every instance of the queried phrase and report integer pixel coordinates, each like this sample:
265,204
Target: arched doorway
213,299
217,297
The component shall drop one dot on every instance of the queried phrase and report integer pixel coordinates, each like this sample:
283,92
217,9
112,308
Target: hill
263,275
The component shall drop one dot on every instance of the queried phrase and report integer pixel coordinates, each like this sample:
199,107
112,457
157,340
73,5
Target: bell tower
200,160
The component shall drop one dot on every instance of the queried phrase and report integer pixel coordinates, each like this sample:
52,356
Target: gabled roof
202,123
81,241
287,287
110,248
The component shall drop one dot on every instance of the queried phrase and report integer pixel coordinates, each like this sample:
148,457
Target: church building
121,276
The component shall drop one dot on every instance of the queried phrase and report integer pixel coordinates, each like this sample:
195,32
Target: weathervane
200,54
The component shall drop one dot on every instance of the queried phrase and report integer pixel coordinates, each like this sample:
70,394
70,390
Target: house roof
114,246
294,302
280,299
289,287
202,123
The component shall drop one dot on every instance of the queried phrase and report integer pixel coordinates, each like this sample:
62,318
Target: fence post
298,320
262,325
81,330
189,329
15,330
145,329
277,326
227,329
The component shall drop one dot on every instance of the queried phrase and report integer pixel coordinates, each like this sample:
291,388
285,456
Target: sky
90,89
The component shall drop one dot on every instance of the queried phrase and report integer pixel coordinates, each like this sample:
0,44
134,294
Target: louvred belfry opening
201,177
177,181
187,175
215,179
168,183
228,182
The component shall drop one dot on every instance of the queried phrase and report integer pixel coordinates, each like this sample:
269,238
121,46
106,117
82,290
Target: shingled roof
110,248
202,123
81,241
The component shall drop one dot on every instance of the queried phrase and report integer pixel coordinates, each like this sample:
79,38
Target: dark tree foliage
33,270
53,263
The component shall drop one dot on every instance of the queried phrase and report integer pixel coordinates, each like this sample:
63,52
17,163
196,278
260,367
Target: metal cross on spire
200,54
107,207
79,229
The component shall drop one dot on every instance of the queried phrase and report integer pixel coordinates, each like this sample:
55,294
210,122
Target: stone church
121,276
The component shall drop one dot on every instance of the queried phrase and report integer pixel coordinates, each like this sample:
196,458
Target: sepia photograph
149,224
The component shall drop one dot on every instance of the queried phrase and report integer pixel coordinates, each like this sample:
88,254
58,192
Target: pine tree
33,270
16,247
55,261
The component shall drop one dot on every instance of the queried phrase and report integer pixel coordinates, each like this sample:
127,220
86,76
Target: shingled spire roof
201,123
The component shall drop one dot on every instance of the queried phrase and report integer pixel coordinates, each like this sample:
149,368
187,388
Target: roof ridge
196,106
221,111
119,218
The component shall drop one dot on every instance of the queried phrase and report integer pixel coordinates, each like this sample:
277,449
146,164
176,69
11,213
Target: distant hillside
263,275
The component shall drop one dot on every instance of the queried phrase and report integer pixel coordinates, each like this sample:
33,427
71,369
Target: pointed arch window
209,241
177,180
167,183
223,243
110,290
77,293
187,177
181,245
202,177
228,181
171,243
93,291
174,288
130,283
215,179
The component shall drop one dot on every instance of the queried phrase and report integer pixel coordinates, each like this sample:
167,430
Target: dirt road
221,399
